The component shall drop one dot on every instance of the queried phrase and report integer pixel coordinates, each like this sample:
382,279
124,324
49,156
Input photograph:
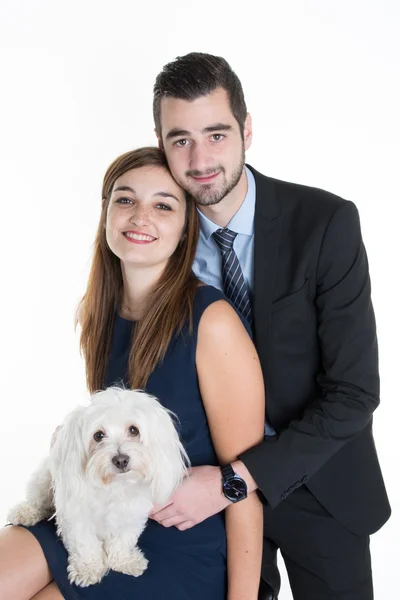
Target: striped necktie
235,287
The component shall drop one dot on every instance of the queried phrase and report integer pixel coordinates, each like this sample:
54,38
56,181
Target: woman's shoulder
206,299
206,295
214,310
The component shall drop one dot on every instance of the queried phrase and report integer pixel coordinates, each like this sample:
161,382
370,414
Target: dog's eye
133,430
98,436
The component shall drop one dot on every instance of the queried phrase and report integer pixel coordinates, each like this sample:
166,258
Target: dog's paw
85,572
25,514
135,564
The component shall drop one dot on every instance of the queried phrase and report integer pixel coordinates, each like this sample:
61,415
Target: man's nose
200,159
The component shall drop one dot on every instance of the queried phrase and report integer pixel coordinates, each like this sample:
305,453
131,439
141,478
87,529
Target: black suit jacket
314,330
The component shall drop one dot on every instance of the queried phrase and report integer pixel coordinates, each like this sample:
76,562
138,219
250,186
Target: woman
147,321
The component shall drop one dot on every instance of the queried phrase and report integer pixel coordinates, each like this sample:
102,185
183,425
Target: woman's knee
23,566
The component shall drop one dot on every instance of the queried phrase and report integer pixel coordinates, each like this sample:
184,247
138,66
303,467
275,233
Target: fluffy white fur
102,508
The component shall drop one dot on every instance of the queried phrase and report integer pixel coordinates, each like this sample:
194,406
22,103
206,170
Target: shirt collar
243,220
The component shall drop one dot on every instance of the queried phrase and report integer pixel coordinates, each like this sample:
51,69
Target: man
292,260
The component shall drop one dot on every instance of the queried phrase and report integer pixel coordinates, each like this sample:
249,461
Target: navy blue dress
183,565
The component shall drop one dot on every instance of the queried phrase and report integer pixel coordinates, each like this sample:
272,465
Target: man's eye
181,143
217,137
98,436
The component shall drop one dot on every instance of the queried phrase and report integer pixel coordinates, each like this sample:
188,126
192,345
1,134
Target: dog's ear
68,456
169,462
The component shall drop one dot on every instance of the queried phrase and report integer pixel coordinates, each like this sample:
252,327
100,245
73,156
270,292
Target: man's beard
206,195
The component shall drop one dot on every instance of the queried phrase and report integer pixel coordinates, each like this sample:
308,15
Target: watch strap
227,472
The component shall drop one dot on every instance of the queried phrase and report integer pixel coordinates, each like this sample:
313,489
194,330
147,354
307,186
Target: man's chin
208,195
201,201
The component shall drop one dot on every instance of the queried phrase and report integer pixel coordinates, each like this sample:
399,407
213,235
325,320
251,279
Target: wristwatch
234,487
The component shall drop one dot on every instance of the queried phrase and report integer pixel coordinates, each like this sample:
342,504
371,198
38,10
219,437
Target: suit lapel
267,227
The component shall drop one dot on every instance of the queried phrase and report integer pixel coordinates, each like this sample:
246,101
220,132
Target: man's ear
159,141
248,132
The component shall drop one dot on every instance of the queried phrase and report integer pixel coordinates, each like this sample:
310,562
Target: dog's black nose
120,461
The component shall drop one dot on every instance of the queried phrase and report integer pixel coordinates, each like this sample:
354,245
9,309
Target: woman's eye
163,206
124,200
98,436
134,431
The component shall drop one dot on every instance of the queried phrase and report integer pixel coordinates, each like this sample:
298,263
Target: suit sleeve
349,379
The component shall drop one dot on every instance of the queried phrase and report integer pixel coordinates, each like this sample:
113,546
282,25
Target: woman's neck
138,283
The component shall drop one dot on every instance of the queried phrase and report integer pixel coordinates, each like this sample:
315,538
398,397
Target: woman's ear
104,211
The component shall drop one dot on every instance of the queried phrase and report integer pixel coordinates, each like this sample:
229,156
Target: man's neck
222,213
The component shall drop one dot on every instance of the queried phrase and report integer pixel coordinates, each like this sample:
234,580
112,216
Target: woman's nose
140,215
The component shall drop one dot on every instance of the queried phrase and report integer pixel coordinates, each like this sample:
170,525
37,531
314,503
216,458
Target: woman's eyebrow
124,188
166,195
127,188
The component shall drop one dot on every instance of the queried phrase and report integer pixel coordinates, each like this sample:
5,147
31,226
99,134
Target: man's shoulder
288,195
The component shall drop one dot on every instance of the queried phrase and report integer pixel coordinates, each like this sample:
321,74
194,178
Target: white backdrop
322,83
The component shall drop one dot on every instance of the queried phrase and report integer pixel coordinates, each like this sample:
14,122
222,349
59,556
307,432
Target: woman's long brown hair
168,306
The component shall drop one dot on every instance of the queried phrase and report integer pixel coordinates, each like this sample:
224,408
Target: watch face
235,489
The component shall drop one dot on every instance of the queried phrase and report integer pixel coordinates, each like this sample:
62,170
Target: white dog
110,462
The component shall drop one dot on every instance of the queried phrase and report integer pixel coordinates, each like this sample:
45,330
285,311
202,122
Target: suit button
305,479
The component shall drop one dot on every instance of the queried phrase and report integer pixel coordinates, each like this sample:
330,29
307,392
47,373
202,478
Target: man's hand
199,497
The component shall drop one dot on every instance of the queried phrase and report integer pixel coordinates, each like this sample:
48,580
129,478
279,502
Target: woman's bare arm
232,389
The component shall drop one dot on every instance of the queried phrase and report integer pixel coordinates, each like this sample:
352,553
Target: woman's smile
137,237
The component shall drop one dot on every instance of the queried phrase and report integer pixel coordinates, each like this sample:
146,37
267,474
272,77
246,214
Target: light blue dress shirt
207,263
